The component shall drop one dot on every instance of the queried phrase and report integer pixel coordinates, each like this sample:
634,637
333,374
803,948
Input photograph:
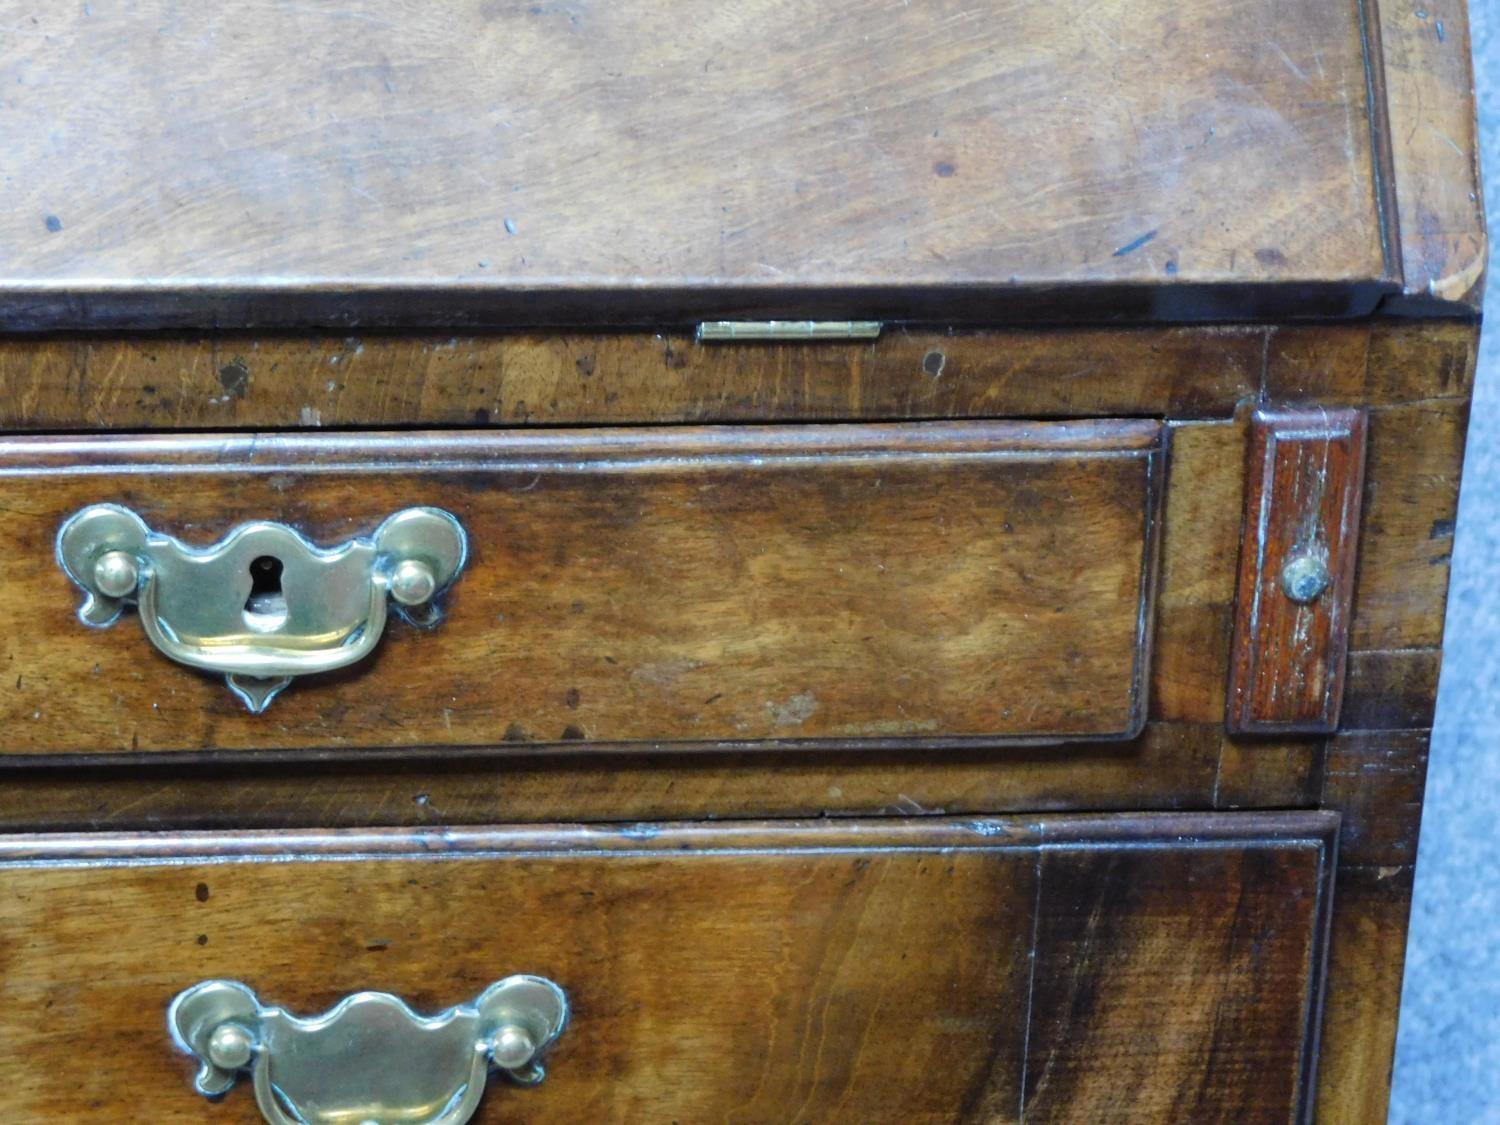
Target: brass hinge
722,330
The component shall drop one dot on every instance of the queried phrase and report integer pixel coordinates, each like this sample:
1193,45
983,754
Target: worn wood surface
1261,772
1433,153
1367,954
1375,776
1370,364
1199,559
239,381
1092,1006
502,161
925,582
1418,377
1412,474
1304,479
1414,377
751,973
951,164
1376,780
1391,690
1170,766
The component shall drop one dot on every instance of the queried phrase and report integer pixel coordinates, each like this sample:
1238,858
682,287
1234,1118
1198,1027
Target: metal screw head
116,574
230,1046
412,582
512,1047
1304,578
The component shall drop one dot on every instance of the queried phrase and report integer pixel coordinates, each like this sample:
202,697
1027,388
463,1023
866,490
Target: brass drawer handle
371,1060
263,604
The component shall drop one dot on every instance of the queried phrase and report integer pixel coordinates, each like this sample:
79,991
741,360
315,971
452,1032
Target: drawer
1127,968
927,583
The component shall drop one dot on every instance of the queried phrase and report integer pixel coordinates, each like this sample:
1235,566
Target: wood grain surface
1370,364
1366,958
1169,766
1428,76
1393,690
503,161
269,381
1375,780
1303,488
928,582
1412,473
1092,1005
239,380
868,972
566,171
1199,559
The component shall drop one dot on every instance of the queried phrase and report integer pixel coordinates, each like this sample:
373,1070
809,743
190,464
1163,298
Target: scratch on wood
1134,244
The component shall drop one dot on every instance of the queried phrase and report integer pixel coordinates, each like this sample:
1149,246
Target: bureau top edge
950,163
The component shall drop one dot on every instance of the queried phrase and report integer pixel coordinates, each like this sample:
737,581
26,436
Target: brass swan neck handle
370,1059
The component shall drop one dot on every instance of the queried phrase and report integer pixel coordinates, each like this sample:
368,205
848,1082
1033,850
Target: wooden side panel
1376,782
1375,768
1372,363
1391,690
862,972
1366,957
1434,152
1305,478
862,584
1406,538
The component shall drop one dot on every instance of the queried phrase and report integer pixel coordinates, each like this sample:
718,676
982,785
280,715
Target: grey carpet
1448,1049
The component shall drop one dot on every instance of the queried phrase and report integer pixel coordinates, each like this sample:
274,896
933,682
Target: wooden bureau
859,562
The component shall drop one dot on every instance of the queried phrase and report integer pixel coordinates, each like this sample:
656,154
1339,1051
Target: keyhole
265,608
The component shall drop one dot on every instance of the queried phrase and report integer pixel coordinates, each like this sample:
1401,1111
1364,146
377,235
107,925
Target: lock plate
264,604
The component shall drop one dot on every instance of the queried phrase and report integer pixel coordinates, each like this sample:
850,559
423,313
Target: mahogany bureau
845,562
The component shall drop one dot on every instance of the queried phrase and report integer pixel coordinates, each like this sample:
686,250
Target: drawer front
933,582
1106,969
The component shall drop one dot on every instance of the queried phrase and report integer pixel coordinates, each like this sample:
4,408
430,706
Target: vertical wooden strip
1412,470
1429,83
1366,958
1302,500
1195,599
